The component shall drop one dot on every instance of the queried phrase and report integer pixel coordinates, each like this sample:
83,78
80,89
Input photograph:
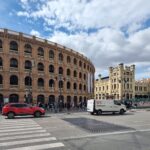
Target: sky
108,32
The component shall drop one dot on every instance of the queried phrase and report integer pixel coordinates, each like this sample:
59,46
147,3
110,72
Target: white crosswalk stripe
25,135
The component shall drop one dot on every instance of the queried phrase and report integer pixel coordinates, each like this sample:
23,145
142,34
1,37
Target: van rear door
90,105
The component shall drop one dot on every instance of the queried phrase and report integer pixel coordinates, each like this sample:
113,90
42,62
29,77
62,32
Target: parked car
17,109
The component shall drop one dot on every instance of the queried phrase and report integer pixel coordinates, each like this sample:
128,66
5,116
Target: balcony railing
13,52
51,89
27,54
13,69
14,86
41,88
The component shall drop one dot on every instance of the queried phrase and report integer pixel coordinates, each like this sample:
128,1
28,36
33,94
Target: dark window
51,68
40,67
68,59
40,82
75,73
60,57
51,54
28,64
1,44
74,86
41,99
1,79
1,99
60,84
13,80
14,63
28,81
80,63
28,48
84,87
51,83
40,51
51,100
68,85
80,75
80,86
60,70
84,66
13,98
13,46
84,76
68,72
75,61
1,62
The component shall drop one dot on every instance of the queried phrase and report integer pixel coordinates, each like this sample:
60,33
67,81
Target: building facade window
13,46
60,57
80,75
40,52
51,83
28,81
40,67
14,63
1,79
28,64
51,54
68,72
75,73
13,80
41,99
1,62
1,44
51,68
68,85
60,84
40,82
28,49
13,98
80,63
68,59
75,61
75,86
60,71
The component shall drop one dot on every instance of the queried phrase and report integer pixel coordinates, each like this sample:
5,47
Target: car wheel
37,114
99,112
10,115
92,113
121,111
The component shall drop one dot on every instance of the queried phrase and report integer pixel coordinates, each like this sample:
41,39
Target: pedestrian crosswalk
25,134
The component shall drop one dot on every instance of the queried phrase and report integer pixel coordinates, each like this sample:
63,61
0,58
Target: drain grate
95,126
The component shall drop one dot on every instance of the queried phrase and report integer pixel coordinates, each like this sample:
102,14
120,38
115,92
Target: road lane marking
20,133
24,136
14,130
17,127
27,141
39,147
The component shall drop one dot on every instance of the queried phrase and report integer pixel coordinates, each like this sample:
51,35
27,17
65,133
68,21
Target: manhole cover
95,126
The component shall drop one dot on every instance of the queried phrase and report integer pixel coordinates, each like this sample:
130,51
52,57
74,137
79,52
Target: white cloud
91,14
35,33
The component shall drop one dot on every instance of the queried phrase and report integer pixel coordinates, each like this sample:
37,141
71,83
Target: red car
17,109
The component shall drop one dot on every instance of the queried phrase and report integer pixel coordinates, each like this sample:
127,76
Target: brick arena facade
36,70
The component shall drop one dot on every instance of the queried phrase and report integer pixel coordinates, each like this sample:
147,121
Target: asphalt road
77,131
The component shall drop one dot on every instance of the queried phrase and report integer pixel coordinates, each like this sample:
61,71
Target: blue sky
108,32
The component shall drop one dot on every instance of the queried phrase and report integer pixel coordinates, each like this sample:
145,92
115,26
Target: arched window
1,44
40,67
28,49
13,46
13,80
60,57
28,64
60,84
51,68
41,99
75,86
68,72
75,61
28,81
68,99
75,73
61,101
80,75
40,82
80,86
40,51
75,101
1,99
14,63
13,98
60,70
1,62
68,85
51,83
80,99
68,59
51,100
80,63
1,79
51,54
84,76
84,87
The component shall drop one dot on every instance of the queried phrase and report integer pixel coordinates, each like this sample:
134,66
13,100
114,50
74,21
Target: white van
100,106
